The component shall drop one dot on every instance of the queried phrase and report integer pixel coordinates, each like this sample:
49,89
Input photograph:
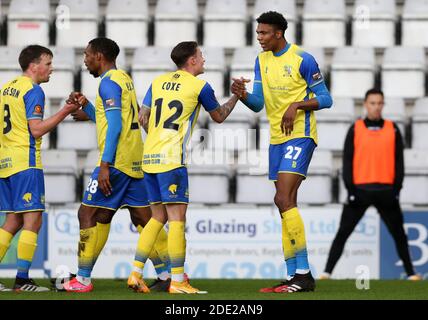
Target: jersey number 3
7,121
169,123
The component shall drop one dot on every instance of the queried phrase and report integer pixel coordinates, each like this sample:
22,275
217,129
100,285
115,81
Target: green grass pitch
237,290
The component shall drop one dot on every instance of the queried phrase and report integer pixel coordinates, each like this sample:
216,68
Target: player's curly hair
107,47
32,54
183,51
275,19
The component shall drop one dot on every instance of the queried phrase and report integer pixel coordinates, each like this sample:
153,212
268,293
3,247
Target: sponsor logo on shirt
38,111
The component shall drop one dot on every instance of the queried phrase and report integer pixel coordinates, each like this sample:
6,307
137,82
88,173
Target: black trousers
389,209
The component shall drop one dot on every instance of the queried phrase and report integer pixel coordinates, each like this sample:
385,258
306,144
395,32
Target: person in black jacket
373,172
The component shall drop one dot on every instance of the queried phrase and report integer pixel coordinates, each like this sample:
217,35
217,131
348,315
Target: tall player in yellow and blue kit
170,110
22,190
288,81
117,181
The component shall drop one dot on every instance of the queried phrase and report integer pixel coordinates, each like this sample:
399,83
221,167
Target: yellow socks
103,230
86,253
27,245
5,239
146,243
296,232
288,249
177,249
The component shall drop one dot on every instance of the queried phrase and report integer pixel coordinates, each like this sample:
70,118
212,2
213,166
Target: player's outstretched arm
222,112
255,100
88,110
39,127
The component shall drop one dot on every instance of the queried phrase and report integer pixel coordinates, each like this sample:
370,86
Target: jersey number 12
169,123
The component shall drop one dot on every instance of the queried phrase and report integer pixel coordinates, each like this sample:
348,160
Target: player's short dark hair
373,91
183,51
275,19
107,47
32,54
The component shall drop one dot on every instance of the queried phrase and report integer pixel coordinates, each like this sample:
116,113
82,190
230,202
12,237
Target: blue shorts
23,192
126,191
292,156
168,187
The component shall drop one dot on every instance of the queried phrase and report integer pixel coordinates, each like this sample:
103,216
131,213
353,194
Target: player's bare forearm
289,116
309,105
144,117
221,113
39,128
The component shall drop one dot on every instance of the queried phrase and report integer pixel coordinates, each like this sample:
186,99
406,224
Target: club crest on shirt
287,70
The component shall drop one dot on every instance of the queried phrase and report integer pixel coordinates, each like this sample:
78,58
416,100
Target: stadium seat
236,132
9,66
242,65
209,171
395,110
76,22
352,72
127,22
28,22
252,180
317,188
225,23
415,23
373,23
324,23
90,83
285,7
148,63
333,124
60,168
318,54
403,72
175,21
415,184
420,124
77,135
61,82
89,165
215,67
80,135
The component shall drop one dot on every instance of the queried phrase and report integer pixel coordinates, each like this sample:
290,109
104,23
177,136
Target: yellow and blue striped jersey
116,92
175,99
288,77
21,101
